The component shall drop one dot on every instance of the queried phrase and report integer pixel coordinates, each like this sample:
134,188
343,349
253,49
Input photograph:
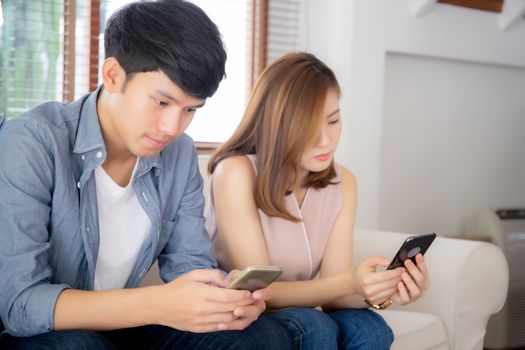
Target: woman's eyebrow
334,112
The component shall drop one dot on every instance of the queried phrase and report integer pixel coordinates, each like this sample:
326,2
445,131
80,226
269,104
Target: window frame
258,59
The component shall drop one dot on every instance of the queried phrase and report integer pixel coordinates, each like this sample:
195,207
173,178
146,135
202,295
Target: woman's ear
113,75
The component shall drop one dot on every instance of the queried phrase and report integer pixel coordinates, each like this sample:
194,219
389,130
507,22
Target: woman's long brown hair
283,117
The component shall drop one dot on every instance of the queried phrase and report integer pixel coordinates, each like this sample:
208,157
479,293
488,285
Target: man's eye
160,102
191,110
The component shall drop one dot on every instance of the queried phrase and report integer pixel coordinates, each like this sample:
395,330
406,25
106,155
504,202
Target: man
94,192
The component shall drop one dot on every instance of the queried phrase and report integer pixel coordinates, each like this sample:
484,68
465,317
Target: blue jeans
361,329
265,333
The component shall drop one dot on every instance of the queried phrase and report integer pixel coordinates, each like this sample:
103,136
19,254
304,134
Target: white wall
356,37
453,142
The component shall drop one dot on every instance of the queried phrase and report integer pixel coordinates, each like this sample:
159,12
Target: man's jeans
359,329
265,333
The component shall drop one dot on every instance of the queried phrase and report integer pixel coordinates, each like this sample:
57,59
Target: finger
383,295
211,327
250,311
378,277
410,285
373,261
262,294
378,287
414,271
217,318
420,260
225,295
227,307
403,293
231,276
238,324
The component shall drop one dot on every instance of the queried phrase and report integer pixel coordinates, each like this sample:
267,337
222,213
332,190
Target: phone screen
412,246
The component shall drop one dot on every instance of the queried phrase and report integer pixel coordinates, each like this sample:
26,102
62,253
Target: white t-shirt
123,227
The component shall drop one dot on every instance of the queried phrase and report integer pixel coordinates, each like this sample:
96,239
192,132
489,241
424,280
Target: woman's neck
298,188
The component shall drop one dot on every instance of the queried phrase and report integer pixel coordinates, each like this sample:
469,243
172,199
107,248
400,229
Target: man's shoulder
47,115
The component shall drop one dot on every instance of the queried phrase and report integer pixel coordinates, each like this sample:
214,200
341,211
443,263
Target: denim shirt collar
90,142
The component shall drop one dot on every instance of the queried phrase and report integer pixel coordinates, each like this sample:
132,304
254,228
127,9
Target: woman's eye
332,122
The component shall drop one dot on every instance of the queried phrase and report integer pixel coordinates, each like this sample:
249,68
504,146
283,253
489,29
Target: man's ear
113,75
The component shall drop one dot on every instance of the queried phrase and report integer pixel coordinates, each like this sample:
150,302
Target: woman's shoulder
346,177
234,168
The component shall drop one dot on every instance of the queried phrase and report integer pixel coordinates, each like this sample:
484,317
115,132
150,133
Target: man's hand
197,302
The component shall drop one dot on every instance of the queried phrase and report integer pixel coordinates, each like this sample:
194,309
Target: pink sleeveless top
297,247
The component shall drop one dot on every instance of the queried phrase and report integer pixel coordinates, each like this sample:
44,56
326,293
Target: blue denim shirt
49,233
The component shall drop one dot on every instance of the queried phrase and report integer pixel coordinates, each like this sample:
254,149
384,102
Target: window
31,51
65,64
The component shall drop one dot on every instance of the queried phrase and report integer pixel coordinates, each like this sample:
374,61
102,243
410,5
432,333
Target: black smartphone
412,246
256,277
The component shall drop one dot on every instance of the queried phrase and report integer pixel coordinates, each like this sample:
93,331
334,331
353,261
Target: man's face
150,112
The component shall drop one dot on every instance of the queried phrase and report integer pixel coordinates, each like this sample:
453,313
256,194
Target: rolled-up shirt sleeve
27,295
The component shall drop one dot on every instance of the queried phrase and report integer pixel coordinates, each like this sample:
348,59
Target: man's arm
26,180
191,302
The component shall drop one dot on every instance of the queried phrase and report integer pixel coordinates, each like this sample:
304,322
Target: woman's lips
323,157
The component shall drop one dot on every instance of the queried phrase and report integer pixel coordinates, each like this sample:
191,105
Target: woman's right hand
376,286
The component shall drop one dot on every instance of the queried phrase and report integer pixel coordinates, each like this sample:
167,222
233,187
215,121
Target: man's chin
148,153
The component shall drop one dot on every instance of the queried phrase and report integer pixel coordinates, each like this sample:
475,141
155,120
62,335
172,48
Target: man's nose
170,123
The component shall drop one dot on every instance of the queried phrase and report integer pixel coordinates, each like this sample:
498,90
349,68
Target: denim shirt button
78,184
99,154
83,156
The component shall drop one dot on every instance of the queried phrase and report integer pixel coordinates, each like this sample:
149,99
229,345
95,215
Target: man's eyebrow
334,112
174,99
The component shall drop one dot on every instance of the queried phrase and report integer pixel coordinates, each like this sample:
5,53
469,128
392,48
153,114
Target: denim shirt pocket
167,227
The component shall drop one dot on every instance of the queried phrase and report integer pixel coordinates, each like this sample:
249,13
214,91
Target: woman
278,198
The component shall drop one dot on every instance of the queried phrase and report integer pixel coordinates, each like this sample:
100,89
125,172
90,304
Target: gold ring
381,306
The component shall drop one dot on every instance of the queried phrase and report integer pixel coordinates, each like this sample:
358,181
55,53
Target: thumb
374,261
208,276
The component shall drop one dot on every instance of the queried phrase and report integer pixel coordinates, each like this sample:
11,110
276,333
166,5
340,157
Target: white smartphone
256,277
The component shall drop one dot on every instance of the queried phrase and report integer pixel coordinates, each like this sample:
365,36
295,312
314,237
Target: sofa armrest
469,281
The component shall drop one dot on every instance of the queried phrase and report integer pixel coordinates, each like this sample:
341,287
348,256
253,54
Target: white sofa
469,281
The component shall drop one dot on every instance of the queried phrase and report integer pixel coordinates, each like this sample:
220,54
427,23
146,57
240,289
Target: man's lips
157,142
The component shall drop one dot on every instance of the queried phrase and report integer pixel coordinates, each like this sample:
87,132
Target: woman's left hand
415,282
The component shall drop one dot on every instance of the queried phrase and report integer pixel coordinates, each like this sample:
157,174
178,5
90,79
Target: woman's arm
337,258
243,239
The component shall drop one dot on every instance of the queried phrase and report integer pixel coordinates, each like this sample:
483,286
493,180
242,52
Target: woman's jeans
265,333
361,329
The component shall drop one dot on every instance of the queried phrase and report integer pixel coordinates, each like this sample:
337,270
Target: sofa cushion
414,330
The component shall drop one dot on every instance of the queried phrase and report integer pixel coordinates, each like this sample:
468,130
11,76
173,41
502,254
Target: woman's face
319,154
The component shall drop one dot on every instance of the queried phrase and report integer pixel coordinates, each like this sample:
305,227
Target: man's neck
120,171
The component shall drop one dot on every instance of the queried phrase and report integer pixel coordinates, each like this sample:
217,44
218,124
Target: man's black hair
173,36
